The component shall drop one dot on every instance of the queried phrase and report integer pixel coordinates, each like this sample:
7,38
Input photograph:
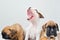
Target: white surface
14,11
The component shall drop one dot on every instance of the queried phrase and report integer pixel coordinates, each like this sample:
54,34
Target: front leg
27,36
38,37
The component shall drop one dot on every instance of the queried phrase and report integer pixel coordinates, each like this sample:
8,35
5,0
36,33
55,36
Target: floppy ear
57,27
40,15
44,27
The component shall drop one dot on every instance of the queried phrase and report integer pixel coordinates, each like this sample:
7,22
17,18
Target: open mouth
30,18
29,14
51,37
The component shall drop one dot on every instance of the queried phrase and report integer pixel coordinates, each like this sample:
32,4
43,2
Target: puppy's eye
49,27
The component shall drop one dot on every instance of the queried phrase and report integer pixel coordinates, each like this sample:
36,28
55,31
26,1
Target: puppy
49,30
33,32
13,32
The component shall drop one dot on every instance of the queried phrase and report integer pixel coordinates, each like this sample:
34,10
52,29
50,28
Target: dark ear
57,27
13,31
40,15
44,27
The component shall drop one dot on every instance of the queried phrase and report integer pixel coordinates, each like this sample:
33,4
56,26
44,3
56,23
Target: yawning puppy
13,32
33,32
49,30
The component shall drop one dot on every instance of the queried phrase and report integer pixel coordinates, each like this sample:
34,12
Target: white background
14,11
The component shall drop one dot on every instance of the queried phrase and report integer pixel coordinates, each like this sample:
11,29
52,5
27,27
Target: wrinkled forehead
52,24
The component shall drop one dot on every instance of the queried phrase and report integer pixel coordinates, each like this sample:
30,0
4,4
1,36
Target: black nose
52,32
5,36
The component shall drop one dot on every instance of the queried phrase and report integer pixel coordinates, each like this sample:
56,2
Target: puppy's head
8,33
51,28
33,14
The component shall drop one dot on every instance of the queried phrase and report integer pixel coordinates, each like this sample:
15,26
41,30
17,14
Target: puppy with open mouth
13,32
49,31
33,32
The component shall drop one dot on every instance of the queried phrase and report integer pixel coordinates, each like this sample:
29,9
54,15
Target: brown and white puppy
33,31
49,30
13,32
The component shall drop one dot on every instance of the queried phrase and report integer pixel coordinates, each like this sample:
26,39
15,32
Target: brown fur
51,23
43,31
43,38
40,15
19,31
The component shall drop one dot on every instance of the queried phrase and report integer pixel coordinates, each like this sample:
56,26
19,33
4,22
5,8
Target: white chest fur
33,32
